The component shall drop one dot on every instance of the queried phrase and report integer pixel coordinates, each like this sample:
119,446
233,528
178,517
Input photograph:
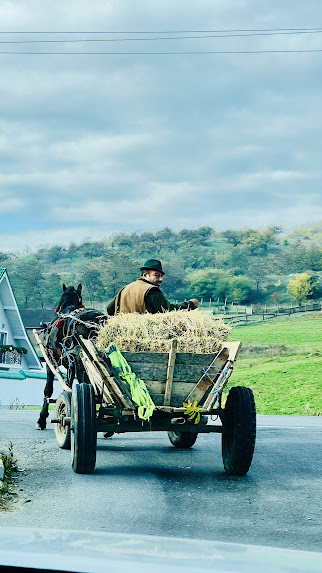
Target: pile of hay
195,331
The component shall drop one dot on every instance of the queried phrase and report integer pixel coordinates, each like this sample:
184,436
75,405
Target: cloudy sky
137,131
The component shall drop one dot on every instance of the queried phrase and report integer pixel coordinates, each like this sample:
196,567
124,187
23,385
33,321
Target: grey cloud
107,143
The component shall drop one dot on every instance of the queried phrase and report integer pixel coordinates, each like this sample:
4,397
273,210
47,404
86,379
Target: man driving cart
144,294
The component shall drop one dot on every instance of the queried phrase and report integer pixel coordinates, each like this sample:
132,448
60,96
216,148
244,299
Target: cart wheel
182,440
238,446
83,426
63,408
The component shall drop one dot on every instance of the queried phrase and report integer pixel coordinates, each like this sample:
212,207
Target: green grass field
282,362
296,331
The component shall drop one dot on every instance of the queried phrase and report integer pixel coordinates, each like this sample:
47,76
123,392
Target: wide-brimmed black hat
152,265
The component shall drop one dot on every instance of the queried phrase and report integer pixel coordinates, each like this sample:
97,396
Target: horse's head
70,299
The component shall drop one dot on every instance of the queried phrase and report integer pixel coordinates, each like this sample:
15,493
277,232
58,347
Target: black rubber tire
182,440
63,408
83,425
240,419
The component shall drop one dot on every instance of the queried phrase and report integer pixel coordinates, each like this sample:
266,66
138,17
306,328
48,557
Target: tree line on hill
242,266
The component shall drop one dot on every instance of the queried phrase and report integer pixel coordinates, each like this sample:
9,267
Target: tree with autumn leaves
300,287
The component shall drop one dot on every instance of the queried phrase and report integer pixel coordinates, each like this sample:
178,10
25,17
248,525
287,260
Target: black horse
61,345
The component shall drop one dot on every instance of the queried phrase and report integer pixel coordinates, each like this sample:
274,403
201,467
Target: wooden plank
179,388
169,380
188,373
52,368
221,380
109,380
149,371
199,389
191,359
162,358
208,378
146,357
182,372
96,380
150,358
176,401
233,348
218,385
112,387
115,390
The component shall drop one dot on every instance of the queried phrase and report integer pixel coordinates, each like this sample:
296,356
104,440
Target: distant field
296,331
284,380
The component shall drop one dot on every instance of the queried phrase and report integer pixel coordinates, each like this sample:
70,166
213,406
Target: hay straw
195,331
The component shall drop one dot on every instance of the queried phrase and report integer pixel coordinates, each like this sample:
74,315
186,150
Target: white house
16,350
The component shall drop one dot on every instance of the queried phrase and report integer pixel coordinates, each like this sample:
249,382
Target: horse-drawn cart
186,393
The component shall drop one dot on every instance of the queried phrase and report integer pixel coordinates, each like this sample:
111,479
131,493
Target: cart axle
63,421
122,428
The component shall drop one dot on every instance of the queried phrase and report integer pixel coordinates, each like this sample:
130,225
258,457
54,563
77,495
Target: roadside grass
7,492
282,363
51,407
282,385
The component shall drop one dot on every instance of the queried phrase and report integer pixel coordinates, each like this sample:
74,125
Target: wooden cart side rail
100,388
112,386
233,348
187,367
108,380
162,358
181,373
156,389
170,371
216,375
218,386
221,381
52,368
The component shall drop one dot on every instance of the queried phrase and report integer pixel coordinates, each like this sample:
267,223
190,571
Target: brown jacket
132,297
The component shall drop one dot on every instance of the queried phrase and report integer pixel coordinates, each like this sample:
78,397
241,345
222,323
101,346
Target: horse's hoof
39,427
108,434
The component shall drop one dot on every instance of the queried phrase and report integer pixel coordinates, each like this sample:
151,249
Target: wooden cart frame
104,404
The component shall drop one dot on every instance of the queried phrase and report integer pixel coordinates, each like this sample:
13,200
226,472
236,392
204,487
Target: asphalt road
142,484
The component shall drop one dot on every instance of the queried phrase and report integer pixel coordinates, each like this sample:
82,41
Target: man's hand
195,302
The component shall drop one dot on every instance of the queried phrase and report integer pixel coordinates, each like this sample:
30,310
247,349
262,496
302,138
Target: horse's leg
80,370
48,392
71,371
81,373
